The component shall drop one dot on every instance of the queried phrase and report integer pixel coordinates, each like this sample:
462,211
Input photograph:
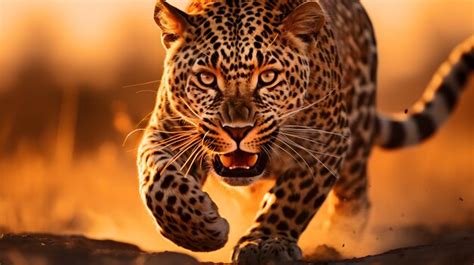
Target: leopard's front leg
185,214
286,211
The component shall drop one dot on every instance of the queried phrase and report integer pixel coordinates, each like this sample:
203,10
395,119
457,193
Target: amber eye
206,79
267,77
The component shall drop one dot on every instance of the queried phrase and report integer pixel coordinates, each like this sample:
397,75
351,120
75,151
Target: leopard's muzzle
240,164
239,167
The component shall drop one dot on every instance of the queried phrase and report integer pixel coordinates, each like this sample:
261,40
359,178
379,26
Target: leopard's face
235,80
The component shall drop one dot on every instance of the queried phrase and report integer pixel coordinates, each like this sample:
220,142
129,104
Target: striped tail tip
435,106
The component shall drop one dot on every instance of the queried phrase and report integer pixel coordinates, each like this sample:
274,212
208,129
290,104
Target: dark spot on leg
167,181
302,217
288,212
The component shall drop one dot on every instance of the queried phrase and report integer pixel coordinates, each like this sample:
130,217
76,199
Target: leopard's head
235,71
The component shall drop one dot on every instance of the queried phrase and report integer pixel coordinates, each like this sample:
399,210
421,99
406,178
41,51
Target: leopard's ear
304,22
172,21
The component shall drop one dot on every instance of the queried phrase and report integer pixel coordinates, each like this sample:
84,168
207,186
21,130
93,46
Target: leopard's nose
237,133
237,111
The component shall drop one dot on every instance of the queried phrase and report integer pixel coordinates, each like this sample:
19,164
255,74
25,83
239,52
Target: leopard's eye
267,77
206,79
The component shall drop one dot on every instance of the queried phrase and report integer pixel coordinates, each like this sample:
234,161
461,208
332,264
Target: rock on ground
47,249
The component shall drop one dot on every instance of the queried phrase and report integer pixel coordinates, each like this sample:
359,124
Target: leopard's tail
433,109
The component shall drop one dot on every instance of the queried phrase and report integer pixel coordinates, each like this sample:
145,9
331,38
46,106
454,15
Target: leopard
279,90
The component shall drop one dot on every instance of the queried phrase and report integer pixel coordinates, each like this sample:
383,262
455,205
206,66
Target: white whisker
307,106
130,134
200,150
308,150
181,145
164,143
291,148
172,132
303,138
172,118
204,153
193,152
324,165
188,146
146,90
142,84
296,128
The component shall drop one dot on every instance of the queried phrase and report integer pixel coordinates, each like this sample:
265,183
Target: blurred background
77,76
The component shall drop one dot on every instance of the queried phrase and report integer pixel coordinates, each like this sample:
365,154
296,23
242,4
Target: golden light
66,65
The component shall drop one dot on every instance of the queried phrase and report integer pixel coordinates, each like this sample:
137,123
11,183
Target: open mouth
240,164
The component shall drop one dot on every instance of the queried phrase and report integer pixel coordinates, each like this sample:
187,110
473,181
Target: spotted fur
291,81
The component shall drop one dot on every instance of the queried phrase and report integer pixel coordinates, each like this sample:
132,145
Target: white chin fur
239,181
236,182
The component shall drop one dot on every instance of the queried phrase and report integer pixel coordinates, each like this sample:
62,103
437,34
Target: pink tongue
239,159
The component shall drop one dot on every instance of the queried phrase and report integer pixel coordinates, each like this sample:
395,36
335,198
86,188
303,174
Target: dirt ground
48,249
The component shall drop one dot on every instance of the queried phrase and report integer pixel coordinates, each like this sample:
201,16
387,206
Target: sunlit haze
69,97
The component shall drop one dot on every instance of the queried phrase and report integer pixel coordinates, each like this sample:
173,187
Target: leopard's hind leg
349,206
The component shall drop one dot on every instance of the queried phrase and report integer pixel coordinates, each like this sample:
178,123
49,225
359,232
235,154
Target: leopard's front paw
265,250
203,229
